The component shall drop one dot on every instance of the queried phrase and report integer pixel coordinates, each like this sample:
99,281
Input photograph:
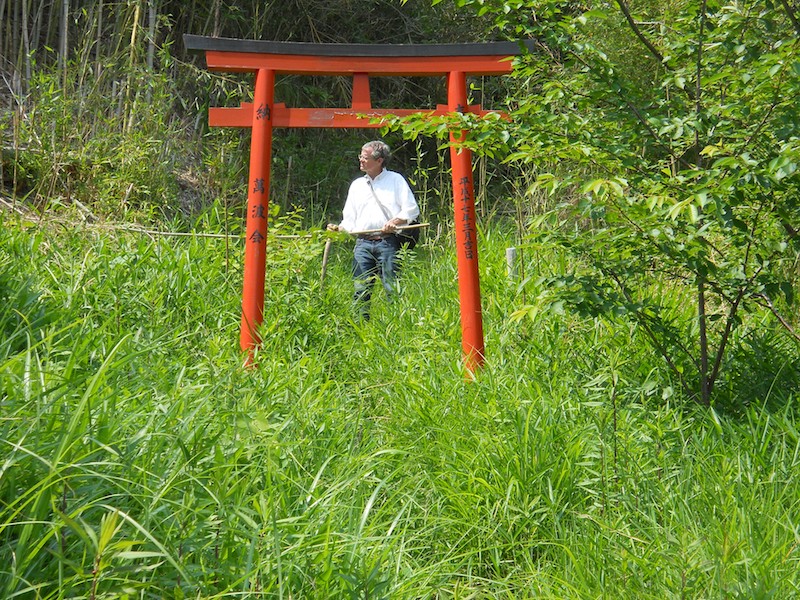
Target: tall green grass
141,460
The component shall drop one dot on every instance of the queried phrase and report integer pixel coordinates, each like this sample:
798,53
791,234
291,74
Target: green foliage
25,312
141,459
669,139
118,122
123,161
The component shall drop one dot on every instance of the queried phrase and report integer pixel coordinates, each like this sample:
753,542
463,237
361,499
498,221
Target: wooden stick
399,228
325,254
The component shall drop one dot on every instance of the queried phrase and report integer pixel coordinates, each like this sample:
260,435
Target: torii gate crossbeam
361,61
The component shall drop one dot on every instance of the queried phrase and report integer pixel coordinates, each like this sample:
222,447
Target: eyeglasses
362,157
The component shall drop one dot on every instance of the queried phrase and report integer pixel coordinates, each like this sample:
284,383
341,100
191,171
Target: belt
372,238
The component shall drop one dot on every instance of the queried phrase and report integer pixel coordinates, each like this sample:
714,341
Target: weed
140,459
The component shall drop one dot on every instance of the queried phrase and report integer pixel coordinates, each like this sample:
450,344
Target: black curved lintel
201,43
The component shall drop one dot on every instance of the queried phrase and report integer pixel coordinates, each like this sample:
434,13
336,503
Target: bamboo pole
127,114
64,43
26,44
151,43
398,228
3,50
16,32
99,40
152,15
36,26
134,29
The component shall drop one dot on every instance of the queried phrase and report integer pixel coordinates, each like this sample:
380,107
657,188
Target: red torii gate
361,61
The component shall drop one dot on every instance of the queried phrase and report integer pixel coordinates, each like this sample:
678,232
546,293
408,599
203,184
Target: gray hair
378,149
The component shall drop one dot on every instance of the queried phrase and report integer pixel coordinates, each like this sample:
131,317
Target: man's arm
348,214
409,209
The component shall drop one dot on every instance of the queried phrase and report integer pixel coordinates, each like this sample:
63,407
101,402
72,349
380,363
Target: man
380,201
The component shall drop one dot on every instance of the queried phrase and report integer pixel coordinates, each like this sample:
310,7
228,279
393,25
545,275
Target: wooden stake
325,255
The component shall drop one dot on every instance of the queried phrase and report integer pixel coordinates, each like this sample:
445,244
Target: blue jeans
373,259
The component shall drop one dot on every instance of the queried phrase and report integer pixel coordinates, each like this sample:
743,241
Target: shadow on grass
23,314
764,369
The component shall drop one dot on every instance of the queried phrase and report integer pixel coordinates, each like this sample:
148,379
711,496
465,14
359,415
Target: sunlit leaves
698,148
604,187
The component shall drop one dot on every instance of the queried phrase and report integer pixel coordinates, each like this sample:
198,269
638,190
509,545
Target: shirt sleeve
349,211
409,210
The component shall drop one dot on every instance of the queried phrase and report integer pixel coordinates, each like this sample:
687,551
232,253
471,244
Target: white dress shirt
361,211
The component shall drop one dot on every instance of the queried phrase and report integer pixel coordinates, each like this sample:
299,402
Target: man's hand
333,227
391,226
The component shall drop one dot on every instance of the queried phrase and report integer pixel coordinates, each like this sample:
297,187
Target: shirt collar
378,176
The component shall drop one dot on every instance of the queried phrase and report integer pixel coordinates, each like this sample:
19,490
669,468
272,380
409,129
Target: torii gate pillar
361,61
255,253
469,291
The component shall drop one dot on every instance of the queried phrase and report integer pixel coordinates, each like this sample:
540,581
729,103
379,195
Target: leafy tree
671,132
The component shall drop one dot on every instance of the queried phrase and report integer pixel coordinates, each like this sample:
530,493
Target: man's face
369,165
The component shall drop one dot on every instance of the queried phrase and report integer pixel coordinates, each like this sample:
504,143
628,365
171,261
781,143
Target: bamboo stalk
151,42
216,30
64,42
26,44
99,40
36,27
16,32
3,50
134,28
127,110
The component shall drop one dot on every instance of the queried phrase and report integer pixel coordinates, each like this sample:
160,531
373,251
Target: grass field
141,460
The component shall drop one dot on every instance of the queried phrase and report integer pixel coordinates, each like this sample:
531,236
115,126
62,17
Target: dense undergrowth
141,460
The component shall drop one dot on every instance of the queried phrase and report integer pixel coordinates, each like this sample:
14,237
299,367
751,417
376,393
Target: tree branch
786,325
647,43
723,343
638,32
639,117
791,14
